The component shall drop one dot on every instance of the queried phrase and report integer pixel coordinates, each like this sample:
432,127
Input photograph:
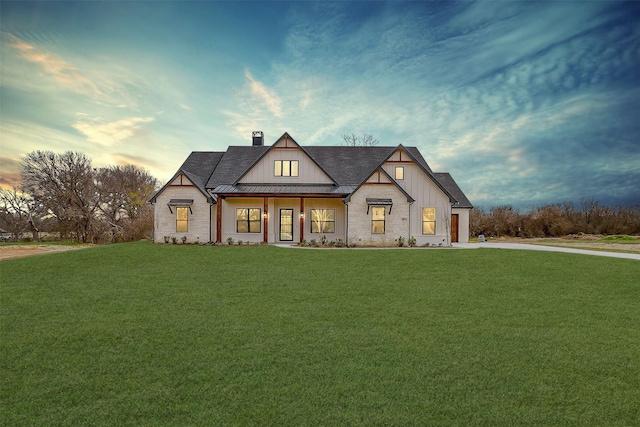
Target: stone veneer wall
396,223
165,220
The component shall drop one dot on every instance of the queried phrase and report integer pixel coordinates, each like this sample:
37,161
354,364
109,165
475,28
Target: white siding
427,194
463,224
229,229
263,171
340,220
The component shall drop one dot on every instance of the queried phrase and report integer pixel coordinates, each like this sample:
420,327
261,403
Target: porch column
301,219
265,221
219,221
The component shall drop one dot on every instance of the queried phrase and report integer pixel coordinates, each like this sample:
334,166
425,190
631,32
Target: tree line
65,194
555,220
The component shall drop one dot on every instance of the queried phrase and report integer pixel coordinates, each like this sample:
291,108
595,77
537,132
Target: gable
378,183
379,177
181,180
281,162
418,180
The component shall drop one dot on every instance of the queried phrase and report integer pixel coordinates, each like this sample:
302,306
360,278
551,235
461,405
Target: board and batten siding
229,229
359,220
463,224
263,171
340,219
427,194
165,220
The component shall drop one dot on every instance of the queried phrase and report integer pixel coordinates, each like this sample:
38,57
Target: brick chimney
258,138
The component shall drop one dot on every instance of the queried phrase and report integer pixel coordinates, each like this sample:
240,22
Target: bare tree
18,213
366,140
64,185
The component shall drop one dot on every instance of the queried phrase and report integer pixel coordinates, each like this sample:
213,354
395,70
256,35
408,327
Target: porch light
301,214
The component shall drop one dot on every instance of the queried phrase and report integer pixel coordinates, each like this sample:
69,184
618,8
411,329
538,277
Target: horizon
524,104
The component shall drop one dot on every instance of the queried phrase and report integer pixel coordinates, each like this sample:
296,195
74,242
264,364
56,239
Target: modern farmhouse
289,193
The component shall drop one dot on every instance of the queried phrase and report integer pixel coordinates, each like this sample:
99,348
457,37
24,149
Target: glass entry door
286,225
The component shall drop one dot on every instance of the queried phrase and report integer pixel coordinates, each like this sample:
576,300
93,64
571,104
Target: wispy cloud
262,93
10,174
106,133
142,161
64,73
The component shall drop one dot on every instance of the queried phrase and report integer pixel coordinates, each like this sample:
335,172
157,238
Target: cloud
10,172
124,159
109,133
64,73
268,96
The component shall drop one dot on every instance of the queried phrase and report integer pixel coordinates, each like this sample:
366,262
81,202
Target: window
399,172
182,220
377,220
286,168
248,220
428,220
323,220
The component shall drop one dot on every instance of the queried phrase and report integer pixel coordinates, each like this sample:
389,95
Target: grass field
137,334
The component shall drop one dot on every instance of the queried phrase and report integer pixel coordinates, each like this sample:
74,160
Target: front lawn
142,334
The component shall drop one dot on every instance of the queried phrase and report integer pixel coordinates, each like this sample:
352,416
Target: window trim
383,220
429,221
325,222
280,170
180,222
248,221
401,170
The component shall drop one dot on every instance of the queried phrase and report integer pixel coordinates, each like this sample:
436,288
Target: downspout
409,237
346,224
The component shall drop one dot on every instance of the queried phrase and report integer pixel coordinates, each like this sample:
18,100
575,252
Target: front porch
283,219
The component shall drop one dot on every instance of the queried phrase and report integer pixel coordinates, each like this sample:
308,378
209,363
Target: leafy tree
124,191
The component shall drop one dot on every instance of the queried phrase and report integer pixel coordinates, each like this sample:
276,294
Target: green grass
621,239
137,334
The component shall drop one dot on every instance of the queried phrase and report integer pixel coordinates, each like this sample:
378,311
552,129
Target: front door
286,225
454,228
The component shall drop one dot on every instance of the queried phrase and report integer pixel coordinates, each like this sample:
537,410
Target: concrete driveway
527,247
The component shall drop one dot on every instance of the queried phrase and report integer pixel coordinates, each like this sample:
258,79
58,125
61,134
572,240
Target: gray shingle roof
348,166
447,182
198,167
234,163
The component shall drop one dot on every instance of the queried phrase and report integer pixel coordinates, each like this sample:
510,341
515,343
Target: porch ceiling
328,189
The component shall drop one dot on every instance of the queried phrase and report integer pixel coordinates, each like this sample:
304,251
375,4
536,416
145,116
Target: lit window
323,220
248,220
182,220
399,172
429,221
377,220
285,168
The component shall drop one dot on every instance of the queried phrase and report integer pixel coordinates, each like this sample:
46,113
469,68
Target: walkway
528,247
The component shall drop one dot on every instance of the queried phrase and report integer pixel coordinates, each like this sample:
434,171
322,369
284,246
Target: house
289,193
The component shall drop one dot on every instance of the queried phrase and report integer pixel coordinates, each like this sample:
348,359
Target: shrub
184,240
230,241
400,241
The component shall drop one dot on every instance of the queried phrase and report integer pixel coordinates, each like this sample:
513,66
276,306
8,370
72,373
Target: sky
524,103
